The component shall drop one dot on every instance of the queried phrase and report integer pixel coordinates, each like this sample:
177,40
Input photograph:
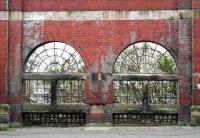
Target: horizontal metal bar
53,76
145,77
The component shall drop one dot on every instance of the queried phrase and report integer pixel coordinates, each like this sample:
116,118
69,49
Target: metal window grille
54,57
37,91
71,91
145,57
158,92
53,119
145,118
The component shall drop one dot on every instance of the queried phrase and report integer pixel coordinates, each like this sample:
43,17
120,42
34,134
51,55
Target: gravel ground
104,132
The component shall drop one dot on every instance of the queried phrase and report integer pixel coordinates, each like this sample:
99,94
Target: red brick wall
196,59
3,5
195,4
16,5
59,5
3,62
184,4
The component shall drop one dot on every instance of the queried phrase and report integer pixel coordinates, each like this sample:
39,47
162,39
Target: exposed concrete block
195,115
4,116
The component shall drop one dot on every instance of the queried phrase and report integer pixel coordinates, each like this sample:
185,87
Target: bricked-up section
195,4
60,5
196,59
3,5
3,62
184,68
15,69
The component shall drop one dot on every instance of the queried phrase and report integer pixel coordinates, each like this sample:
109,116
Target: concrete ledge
55,108
15,125
102,125
130,108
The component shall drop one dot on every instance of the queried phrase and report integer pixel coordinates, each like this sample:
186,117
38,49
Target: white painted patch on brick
95,15
100,15
15,16
3,15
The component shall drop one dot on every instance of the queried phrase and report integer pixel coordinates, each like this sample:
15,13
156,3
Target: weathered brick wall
61,5
3,5
196,4
99,42
184,68
105,38
196,59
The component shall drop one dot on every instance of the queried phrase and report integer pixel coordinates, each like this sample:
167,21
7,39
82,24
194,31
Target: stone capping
142,77
75,108
153,108
53,76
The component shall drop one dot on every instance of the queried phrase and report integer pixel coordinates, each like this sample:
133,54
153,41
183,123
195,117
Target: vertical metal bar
44,91
53,92
79,96
127,101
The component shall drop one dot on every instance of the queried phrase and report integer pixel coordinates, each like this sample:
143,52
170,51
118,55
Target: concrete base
99,125
195,115
15,124
4,116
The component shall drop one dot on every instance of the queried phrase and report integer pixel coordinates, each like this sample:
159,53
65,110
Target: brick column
3,54
15,61
184,69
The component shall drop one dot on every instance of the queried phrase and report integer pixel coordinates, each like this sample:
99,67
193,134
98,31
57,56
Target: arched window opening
145,74
54,57
53,73
145,57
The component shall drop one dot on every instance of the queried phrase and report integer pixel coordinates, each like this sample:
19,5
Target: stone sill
157,108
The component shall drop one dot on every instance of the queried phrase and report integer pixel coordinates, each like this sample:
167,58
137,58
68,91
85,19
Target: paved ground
104,132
